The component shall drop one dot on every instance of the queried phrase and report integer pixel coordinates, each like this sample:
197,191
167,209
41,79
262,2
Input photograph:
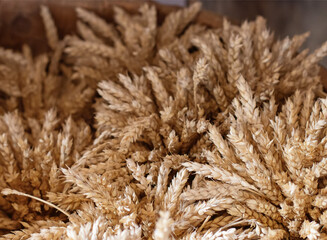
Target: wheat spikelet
50,27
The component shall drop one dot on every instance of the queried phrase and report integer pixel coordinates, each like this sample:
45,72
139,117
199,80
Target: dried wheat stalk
172,131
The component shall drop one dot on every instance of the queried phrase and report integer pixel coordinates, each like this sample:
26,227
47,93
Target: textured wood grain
20,21
323,74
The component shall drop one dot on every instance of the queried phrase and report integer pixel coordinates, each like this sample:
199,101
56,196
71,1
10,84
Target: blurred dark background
284,17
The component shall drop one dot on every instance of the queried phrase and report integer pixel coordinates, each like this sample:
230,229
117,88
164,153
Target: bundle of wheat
140,130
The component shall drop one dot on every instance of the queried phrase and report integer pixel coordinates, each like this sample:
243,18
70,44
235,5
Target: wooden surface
323,75
20,21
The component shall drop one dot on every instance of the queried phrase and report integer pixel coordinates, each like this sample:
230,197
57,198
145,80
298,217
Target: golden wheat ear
8,191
